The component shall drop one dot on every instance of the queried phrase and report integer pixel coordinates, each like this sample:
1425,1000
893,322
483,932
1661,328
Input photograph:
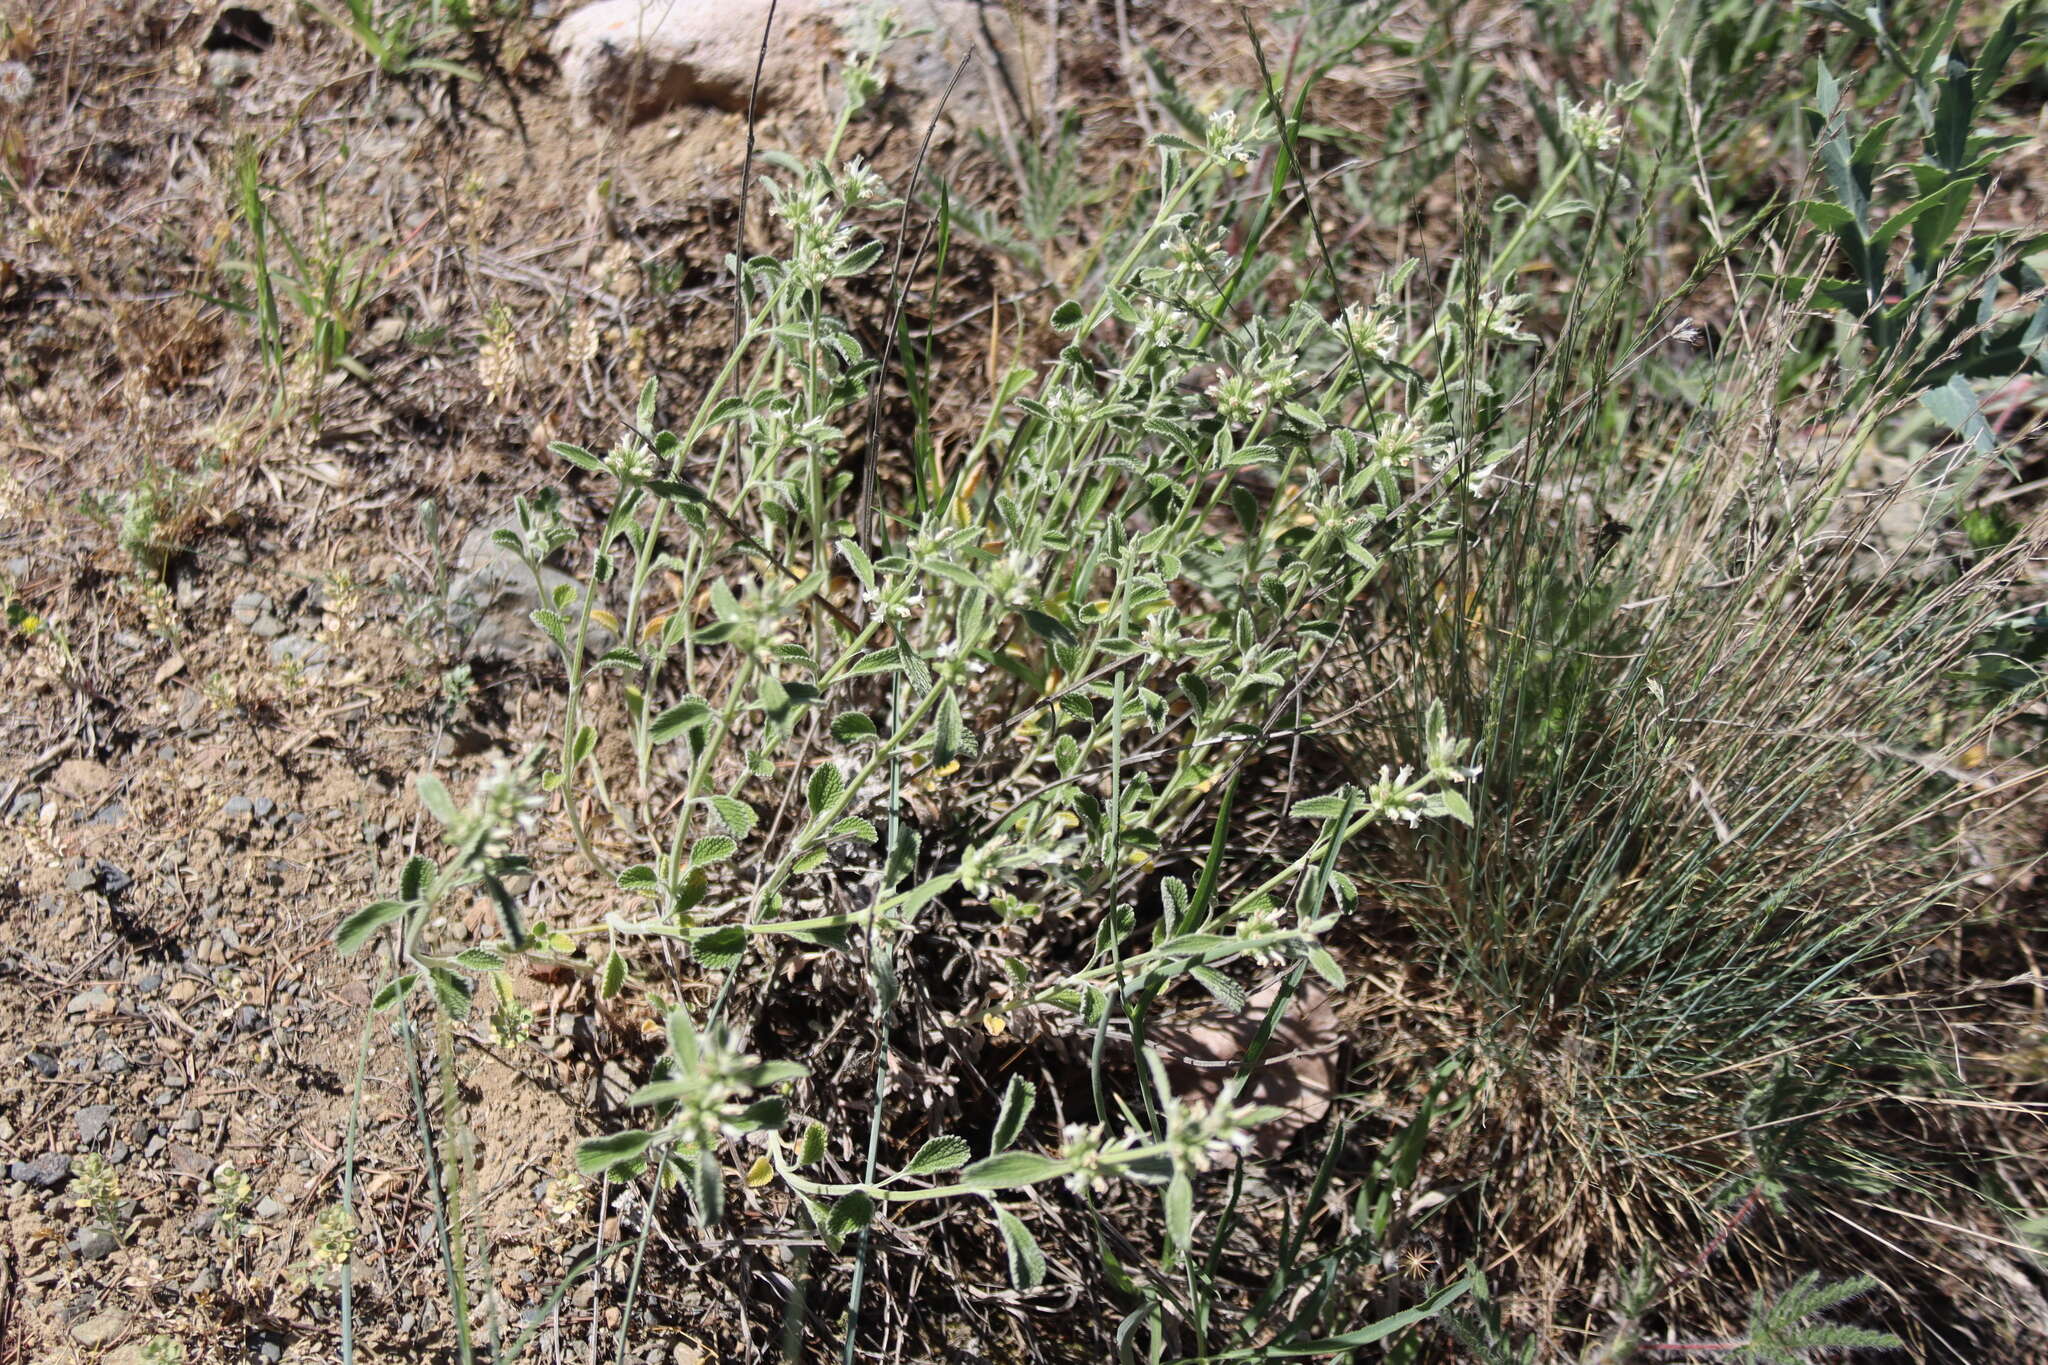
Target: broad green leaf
712,848
1018,1097
678,720
356,930
1011,1170
598,1154
945,1153
1020,1248
825,787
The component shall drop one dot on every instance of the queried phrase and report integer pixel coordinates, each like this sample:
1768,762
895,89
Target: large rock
627,60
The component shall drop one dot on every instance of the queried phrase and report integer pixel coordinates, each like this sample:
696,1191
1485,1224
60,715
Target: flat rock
490,598
101,1328
628,60
76,777
93,1121
45,1172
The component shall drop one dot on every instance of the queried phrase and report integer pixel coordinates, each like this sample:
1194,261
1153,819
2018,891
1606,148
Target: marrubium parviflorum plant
972,718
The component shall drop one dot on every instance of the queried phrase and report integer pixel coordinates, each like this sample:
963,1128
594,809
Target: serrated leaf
811,1150
1067,316
451,992
734,814
357,929
824,788
393,991
1226,992
639,877
943,1153
856,828
1318,808
857,559
613,978
851,727
712,848
577,456
1020,1249
480,960
1456,806
1018,1097
417,877
852,1212
720,949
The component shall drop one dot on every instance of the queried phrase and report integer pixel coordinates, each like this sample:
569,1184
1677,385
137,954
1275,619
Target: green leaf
944,1153
480,960
712,848
851,727
393,991
1020,1248
950,739
1364,1336
734,814
763,1115
857,559
849,1215
1180,1215
599,1154
1011,1170
577,456
824,789
686,715
720,949
356,930
1067,316
639,877
613,979
417,877
1318,808
854,827
811,1150
1018,1098
434,796
707,1189
451,992
1456,806
1226,992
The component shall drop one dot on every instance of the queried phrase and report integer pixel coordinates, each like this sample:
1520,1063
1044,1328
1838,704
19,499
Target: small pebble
93,1121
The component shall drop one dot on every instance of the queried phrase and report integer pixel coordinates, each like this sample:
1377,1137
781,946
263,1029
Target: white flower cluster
1592,126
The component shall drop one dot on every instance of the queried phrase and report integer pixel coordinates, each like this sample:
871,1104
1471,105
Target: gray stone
250,607
45,1172
94,1001
205,1282
491,596
96,1244
268,1209
93,1121
237,805
26,804
101,1328
311,655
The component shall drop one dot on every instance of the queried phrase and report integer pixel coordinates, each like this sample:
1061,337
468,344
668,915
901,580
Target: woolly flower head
1225,142
1500,316
1199,1135
17,82
1592,126
1372,331
858,187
